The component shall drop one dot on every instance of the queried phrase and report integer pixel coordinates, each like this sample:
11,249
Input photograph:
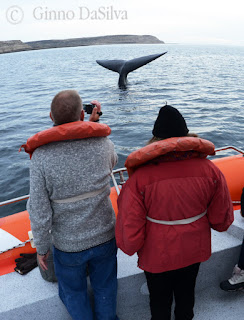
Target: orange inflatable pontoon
13,231
233,170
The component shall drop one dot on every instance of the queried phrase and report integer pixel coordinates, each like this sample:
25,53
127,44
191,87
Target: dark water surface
206,83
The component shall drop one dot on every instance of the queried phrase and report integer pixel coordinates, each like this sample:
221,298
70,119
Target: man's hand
43,261
95,116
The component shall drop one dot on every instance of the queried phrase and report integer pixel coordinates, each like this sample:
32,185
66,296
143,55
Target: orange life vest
156,149
67,131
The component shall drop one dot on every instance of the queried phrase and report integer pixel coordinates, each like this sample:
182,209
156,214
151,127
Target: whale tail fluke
124,67
136,63
113,65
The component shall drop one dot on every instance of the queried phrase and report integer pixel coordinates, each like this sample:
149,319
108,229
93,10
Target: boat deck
30,297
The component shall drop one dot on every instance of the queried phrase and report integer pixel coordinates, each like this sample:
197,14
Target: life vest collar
67,131
158,148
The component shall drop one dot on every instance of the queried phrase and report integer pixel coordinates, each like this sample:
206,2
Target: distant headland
17,45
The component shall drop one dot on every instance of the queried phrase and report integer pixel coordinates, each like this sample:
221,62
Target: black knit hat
169,123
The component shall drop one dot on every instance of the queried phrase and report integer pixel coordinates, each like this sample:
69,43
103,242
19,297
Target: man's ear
82,115
51,116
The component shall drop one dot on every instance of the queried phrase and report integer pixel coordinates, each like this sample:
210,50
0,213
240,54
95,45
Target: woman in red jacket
174,196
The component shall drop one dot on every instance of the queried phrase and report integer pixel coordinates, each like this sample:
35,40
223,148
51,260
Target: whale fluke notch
123,67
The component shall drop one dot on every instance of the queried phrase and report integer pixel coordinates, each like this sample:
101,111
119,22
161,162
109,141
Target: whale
123,67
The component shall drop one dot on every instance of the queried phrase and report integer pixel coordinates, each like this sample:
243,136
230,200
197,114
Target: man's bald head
66,107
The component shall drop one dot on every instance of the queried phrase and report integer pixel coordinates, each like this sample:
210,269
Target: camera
89,107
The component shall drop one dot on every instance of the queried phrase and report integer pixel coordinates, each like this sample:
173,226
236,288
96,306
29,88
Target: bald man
69,206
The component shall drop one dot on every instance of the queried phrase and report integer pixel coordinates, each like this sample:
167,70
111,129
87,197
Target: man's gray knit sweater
65,169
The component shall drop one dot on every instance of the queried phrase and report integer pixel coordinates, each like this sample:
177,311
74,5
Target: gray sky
173,21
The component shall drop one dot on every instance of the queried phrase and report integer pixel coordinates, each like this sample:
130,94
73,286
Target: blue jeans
71,272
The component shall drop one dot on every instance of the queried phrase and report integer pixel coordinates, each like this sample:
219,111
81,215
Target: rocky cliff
14,46
116,39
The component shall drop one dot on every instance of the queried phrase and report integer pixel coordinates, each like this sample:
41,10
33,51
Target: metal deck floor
30,297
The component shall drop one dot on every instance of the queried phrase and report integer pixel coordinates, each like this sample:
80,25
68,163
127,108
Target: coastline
17,45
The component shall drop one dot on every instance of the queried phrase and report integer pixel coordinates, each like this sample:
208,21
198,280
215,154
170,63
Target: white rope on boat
21,244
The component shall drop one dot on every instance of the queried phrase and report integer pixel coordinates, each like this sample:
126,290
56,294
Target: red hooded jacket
172,190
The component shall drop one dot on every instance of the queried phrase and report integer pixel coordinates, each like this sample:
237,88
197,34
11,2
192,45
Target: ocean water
205,83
